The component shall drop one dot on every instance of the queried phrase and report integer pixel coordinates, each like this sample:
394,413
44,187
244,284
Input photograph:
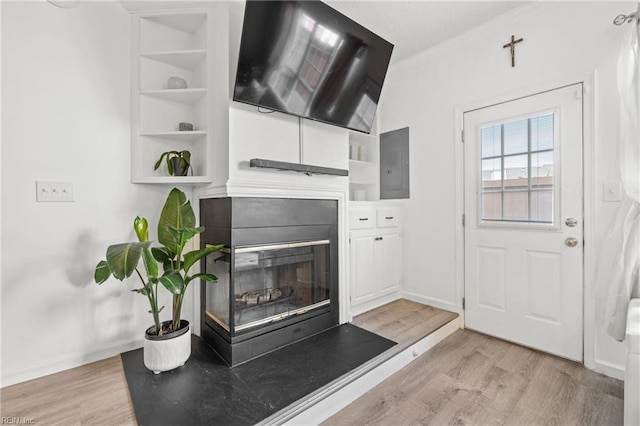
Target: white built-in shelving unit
363,167
171,44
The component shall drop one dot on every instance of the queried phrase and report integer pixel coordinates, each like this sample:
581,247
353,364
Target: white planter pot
164,353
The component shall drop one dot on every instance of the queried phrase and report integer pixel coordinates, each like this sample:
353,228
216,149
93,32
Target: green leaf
193,257
150,264
210,278
102,272
170,165
175,234
173,282
186,156
155,167
183,235
143,291
177,212
122,259
160,254
141,226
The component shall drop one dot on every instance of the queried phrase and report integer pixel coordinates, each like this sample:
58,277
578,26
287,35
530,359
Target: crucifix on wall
512,49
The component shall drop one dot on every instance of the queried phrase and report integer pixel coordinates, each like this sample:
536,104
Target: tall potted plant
167,344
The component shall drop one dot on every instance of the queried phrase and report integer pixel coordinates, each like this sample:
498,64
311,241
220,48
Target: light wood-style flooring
473,379
94,394
403,321
468,378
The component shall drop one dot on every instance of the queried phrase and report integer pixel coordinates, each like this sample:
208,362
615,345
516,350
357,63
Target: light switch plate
54,191
612,191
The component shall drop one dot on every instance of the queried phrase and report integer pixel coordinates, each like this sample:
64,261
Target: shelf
182,96
187,23
361,163
183,136
178,180
186,59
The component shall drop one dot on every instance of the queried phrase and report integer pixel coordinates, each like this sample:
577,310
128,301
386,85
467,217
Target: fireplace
277,275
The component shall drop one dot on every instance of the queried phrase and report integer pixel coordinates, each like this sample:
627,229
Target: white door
387,262
523,221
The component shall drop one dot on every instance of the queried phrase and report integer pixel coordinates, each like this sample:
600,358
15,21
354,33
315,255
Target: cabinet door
363,270
388,260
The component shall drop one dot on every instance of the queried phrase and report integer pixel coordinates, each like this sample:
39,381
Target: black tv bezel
271,109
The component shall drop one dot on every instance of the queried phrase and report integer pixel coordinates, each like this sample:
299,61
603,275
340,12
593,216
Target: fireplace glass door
267,284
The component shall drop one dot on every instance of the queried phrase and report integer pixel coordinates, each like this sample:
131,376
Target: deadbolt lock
571,222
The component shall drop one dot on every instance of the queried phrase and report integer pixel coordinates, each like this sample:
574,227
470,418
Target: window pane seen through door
517,163
491,142
516,137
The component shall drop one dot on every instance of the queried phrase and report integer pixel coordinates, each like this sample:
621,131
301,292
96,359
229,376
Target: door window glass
517,163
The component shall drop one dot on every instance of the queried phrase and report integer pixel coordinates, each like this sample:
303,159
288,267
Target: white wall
65,116
563,42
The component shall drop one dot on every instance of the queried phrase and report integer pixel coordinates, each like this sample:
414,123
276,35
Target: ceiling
413,26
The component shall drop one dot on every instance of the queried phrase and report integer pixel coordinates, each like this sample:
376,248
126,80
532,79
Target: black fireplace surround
277,275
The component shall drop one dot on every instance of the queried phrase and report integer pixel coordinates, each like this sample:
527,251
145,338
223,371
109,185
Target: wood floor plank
404,321
473,379
95,393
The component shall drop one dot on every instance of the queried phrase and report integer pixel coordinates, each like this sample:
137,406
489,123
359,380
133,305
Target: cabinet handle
388,217
364,218
378,238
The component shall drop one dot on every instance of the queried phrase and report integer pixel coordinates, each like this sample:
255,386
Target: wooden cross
512,49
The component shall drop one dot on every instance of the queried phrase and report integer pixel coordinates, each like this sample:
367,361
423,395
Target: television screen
307,59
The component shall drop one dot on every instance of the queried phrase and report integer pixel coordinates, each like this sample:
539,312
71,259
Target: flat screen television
306,59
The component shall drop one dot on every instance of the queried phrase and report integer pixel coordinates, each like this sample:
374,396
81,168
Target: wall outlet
54,191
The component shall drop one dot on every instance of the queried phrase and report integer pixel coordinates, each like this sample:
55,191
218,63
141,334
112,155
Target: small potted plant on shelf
167,344
178,162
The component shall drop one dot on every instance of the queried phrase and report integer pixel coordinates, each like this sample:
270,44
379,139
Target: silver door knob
571,222
571,242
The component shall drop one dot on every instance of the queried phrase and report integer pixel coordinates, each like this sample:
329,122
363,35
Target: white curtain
619,263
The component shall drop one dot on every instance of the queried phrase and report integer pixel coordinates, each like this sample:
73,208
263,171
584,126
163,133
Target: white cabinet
375,255
166,45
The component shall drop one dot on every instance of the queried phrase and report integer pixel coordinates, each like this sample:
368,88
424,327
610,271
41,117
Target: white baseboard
609,369
343,392
62,363
375,303
436,303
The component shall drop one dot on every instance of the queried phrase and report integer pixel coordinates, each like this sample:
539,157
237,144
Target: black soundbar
296,167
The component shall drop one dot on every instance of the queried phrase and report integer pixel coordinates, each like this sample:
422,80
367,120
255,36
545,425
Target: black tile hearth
206,391
288,374
202,392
